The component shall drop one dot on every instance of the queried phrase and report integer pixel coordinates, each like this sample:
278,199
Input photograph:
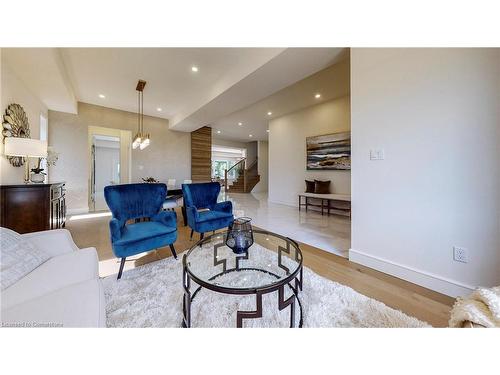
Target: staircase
247,177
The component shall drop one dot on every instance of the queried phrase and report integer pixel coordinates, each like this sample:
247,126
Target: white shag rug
151,296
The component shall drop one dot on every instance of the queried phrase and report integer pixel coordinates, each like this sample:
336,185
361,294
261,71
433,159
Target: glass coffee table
272,264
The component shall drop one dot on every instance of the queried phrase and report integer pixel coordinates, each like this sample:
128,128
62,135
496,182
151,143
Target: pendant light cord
142,112
138,112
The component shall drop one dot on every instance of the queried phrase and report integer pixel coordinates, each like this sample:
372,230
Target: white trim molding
428,280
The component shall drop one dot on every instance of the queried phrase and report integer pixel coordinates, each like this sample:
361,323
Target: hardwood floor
424,304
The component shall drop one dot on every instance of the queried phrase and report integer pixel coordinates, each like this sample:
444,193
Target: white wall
250,147
263,167
15,91
287,149
228,143
251,152
435,112
168,156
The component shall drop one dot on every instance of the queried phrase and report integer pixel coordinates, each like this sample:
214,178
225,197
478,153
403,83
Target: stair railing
238,167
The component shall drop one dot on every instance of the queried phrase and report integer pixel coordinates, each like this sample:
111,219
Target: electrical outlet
460,254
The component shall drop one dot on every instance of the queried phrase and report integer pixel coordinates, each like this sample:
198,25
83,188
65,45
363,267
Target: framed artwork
329,152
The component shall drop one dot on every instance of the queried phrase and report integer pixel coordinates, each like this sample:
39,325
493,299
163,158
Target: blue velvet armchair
139,201
198,198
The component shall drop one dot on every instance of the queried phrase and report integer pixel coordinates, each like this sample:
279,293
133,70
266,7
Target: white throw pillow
18,257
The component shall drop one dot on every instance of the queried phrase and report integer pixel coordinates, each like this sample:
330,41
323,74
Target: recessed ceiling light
269,113
218,131
102,96
317,96
194,69
250,135
159,109
267,130
240,123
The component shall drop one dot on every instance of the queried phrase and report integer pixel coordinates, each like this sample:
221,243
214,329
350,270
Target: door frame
125,137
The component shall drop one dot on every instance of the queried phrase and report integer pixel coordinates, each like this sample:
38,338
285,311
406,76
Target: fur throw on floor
482,307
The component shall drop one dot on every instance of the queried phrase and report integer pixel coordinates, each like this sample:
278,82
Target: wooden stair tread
239,184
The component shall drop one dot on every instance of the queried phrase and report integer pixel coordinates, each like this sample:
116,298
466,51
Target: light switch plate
377,154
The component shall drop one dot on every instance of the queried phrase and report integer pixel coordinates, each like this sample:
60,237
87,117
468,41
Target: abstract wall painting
329,152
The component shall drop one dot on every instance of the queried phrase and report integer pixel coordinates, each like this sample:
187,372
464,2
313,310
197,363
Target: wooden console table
33,207
328,202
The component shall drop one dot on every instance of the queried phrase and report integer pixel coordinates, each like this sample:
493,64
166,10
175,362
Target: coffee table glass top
271,260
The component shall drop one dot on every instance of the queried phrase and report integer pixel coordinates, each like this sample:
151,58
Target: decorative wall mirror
15,124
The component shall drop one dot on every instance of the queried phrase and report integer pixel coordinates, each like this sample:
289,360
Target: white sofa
63,291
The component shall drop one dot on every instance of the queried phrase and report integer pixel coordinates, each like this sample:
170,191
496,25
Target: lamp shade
25,147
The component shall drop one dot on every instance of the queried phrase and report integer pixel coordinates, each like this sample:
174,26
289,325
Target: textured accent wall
168,156
201,154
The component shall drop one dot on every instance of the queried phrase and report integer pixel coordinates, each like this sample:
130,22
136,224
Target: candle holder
240,235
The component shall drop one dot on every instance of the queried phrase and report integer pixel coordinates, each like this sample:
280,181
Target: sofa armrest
226,206
168,218
53,242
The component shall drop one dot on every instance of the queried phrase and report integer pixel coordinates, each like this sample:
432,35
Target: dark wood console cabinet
29,208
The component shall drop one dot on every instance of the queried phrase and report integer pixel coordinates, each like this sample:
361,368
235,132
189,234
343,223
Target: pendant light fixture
141,139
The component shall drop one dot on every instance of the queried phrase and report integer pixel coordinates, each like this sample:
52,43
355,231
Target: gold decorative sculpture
15,124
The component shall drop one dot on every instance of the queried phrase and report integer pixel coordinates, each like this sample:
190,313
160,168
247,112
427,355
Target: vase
37,178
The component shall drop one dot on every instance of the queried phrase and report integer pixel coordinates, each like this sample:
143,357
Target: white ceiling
43,71
228,80
332,82
171,85
288,67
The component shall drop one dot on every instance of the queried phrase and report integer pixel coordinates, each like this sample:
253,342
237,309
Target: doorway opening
224,158
105,167
109,162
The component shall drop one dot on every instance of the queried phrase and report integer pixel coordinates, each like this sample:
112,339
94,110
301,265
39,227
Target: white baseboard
77,211
277,201
437,283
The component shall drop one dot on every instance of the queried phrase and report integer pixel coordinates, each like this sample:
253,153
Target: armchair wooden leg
173,250
202,235
122,263
192,231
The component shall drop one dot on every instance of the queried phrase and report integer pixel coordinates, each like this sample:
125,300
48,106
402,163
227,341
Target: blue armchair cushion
143,231
212,215
204,195
144,236
134,201
212,220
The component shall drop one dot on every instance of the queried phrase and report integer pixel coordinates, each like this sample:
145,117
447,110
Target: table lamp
25,147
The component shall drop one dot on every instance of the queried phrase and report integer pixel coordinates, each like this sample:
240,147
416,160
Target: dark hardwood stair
246,180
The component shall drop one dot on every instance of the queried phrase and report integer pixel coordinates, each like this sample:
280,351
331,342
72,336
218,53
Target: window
223,158
219,167
44,128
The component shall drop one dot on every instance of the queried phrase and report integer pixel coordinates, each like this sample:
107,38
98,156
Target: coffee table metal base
258,292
